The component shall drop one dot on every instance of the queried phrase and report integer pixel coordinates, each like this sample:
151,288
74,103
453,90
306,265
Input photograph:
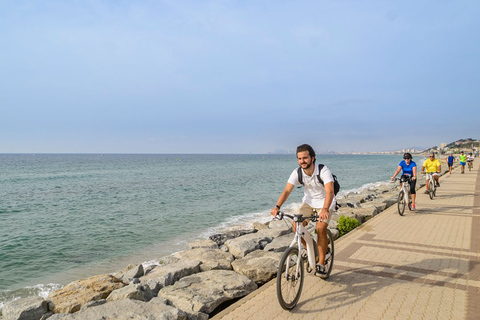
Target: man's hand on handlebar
275,211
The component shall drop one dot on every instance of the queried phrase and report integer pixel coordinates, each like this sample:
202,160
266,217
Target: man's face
304,159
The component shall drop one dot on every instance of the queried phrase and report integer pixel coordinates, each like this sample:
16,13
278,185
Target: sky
141,76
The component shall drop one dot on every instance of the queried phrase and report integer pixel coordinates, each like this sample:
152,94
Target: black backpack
336,185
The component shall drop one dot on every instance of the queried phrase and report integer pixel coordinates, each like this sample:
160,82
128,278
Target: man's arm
396,172
283,197
324,213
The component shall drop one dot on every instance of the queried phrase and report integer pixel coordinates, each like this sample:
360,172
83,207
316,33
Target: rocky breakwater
192,284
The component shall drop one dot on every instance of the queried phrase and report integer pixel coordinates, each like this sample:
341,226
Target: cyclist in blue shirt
450,160
409,168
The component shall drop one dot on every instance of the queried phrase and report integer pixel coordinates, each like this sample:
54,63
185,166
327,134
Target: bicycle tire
401,203
289,286
329,261
431,189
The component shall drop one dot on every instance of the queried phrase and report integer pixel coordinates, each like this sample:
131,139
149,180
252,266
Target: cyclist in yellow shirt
433,166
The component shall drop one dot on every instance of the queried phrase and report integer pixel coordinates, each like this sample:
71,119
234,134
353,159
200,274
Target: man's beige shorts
307,210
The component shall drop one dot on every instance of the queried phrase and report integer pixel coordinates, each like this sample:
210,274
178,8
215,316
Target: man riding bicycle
318,198
433,166
409,168
470,160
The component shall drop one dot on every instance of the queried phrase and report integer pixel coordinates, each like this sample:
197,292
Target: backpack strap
300,175
320,167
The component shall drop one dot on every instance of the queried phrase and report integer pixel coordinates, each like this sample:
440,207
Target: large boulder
279,244
243,245
156,309
132,291
203,243
211,259
285,224
205,291
129,273
220,238
260,265
74,295
165,275
31,308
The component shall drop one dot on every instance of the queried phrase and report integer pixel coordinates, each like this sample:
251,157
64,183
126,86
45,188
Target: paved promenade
424,265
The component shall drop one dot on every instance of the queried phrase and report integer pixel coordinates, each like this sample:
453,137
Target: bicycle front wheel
401,203
431,190
290,277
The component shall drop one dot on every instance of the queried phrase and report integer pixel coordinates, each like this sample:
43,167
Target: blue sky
237,76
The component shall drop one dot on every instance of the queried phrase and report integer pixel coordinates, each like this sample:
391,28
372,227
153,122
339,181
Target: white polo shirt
314,191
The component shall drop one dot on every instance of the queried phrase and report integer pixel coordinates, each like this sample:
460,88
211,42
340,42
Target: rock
260,226
260,265
243,245
166,275
333,224
284,224
156,309
220,239
129,273
132,291
31,308
75,294
211,258
205,243
335,234
279,244
205,291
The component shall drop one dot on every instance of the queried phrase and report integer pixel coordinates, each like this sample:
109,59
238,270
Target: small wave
41,290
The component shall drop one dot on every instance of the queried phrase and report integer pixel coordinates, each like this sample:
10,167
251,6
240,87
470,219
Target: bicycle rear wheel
329,258
401,203
289,281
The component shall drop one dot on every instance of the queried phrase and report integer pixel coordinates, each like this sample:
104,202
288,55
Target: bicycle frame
405,190
302,232
431,182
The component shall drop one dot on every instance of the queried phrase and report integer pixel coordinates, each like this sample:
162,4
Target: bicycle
291,272
432,186
403,195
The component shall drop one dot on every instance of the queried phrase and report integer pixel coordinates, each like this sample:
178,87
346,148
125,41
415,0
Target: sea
65,217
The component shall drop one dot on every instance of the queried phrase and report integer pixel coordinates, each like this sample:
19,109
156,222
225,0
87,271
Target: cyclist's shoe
426,192
413,207
320,271
438,184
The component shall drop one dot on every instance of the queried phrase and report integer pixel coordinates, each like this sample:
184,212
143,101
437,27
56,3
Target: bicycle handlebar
296,217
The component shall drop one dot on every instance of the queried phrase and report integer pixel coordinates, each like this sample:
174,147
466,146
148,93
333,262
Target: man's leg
322,241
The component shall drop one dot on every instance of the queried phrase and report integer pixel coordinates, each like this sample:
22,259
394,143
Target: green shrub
346,224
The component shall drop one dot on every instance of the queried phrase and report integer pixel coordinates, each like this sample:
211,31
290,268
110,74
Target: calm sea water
66,217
